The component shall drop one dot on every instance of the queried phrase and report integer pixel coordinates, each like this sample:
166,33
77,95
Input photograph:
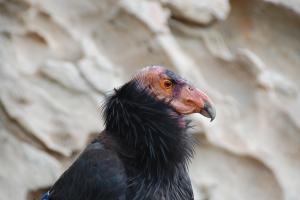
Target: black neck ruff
148,128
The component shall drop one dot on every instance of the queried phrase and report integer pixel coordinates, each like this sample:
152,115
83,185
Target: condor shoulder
98,173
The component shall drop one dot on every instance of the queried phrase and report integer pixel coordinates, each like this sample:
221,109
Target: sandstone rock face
58,59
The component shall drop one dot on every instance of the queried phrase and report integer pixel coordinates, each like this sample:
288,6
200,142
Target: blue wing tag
45,196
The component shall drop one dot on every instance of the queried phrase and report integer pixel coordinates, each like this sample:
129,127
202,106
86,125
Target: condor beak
202,103
208,111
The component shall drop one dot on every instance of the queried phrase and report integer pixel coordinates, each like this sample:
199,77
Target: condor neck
147,126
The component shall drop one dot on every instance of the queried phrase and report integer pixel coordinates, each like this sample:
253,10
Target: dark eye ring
168,84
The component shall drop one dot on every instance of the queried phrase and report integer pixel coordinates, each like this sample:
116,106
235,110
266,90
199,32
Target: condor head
183,97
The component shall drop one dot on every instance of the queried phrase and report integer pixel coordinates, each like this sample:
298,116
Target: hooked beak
201,102
208,111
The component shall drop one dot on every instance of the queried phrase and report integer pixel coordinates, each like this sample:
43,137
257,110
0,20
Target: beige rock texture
58,59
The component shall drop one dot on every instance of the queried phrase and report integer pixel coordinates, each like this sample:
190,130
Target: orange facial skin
182,96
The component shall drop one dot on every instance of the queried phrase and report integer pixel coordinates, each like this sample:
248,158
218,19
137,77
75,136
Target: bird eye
168,84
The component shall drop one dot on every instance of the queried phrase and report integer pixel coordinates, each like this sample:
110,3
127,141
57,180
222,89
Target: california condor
144,150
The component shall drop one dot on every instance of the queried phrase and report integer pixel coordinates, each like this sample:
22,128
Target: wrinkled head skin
183,97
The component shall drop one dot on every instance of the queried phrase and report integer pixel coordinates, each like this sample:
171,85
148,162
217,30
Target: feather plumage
144,151
149,131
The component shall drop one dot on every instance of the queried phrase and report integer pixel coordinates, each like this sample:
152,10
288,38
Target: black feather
142,154
149,131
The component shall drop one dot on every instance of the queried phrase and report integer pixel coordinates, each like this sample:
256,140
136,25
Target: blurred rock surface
58,59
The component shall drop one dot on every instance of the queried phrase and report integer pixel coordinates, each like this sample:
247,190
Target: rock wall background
59,57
